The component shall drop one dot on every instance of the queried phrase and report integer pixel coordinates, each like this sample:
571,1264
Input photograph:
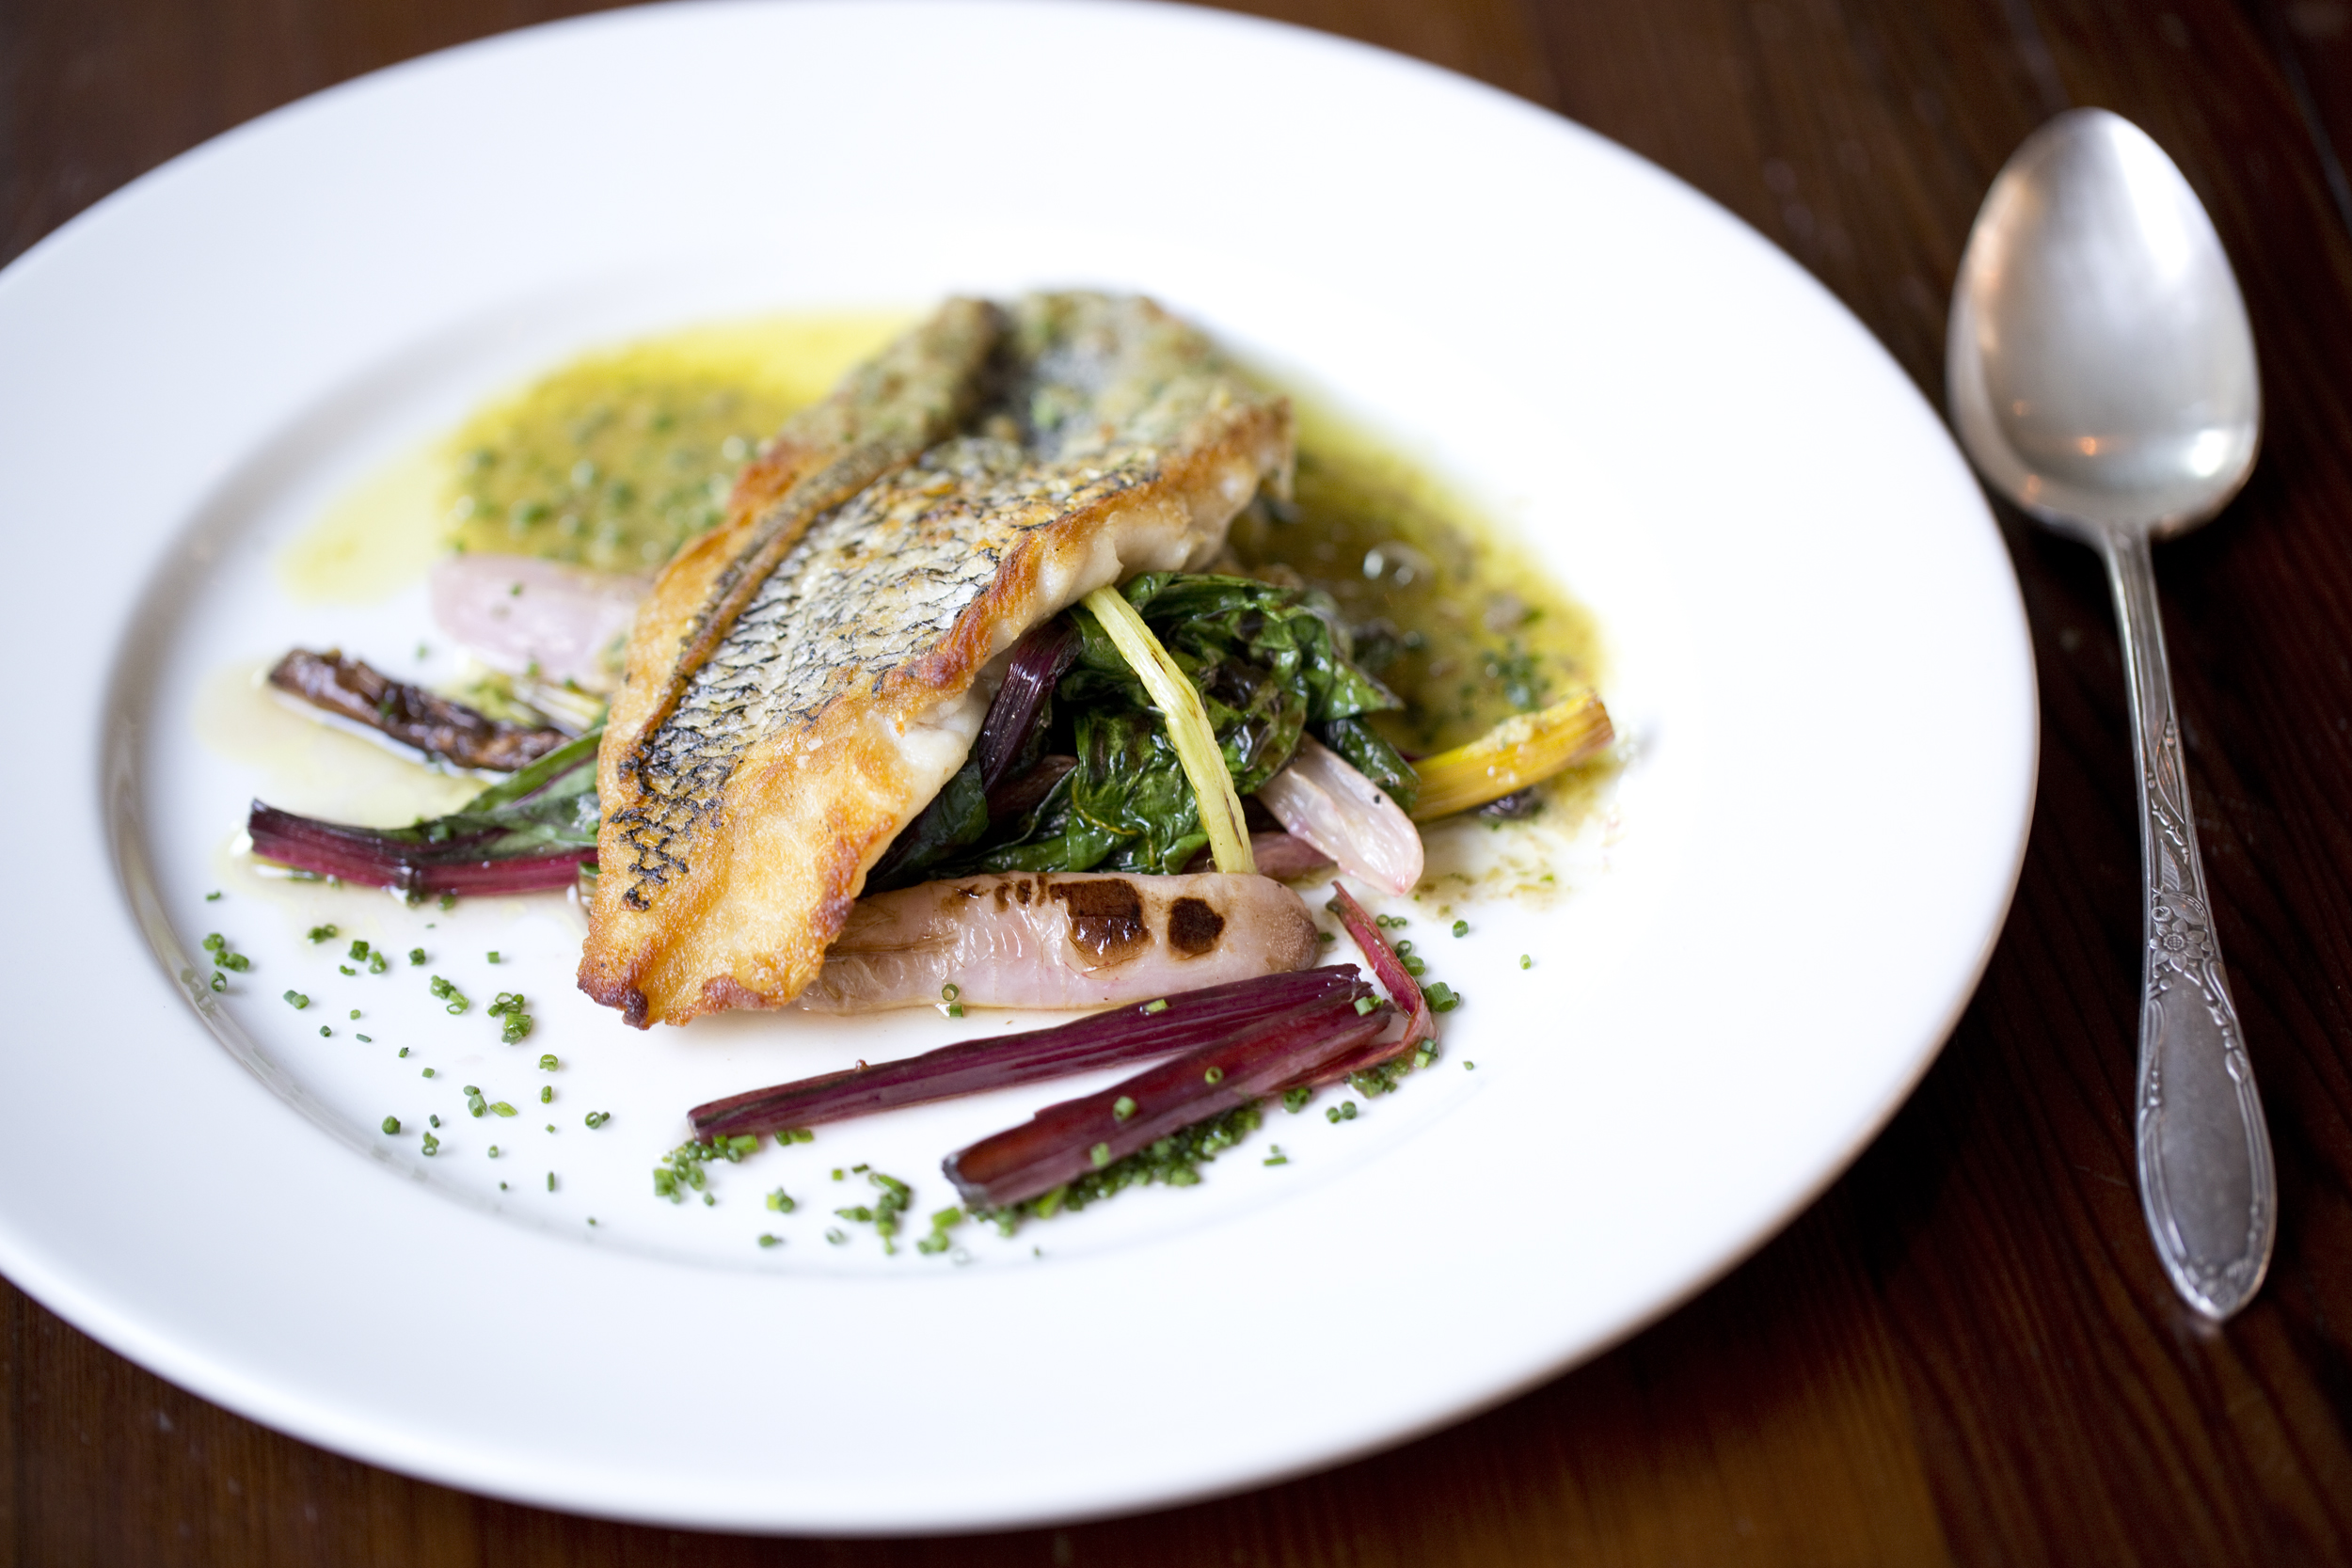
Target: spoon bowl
2102,375
2102,367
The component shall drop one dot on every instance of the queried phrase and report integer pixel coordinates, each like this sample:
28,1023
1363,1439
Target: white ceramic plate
1817,649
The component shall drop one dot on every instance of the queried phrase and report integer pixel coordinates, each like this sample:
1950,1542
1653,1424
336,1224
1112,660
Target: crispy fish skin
798,714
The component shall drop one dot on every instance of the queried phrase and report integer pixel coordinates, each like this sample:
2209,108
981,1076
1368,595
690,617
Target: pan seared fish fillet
803,681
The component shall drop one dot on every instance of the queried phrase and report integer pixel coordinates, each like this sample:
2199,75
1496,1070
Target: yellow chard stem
1521,751
1189,727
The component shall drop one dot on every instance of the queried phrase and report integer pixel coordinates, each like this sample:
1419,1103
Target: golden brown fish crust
772,738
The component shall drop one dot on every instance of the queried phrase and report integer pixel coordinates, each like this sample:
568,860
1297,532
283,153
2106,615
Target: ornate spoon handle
2205,1179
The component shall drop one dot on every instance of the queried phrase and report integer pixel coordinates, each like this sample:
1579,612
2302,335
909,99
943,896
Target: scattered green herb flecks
296,1000
324,1032
1527,960
377,963
494,955
942,1223
323,933
345,969
781,1201
212,897
598,1118
1461,927
1157,1005
794,1135
1294,1100
432,1145
1442,997
767,1240
883,1214
392,1126
681,1169
358,951
1174,1161
364,1039
509,1006
1275,1156
218,981
451,994
415,955
546,1094
1122,1108
547,1062
1343,1111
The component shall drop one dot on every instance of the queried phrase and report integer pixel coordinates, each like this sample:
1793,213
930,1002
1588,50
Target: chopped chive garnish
415,955
323,933
432,1144
1461,927
1159,1005
950,991
546,1094
392,1126
211,898
766,1240
1526,961
1215,1075
1122,1108
355,1013
598,1118
550,1181
547,1062
218,981
1364,1005
1294,1100
1276,1157
428,1072
296,1000
494,955
781,1201
363,1039
1100,1154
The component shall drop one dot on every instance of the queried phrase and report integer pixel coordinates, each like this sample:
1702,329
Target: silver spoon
2101,372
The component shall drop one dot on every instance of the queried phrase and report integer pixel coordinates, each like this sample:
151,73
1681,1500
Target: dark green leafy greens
1270,663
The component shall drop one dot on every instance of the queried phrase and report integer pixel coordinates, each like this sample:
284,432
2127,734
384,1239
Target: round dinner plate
1744,961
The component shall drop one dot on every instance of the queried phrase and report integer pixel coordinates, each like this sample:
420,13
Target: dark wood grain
1966,1352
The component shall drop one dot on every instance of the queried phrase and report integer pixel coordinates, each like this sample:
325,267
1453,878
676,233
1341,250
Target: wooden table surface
1966,1352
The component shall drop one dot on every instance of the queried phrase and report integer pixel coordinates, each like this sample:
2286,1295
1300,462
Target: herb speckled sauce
617,458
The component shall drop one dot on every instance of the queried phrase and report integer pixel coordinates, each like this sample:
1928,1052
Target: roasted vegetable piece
1065,1141
1523,749
416,718
534,830
1185,1022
